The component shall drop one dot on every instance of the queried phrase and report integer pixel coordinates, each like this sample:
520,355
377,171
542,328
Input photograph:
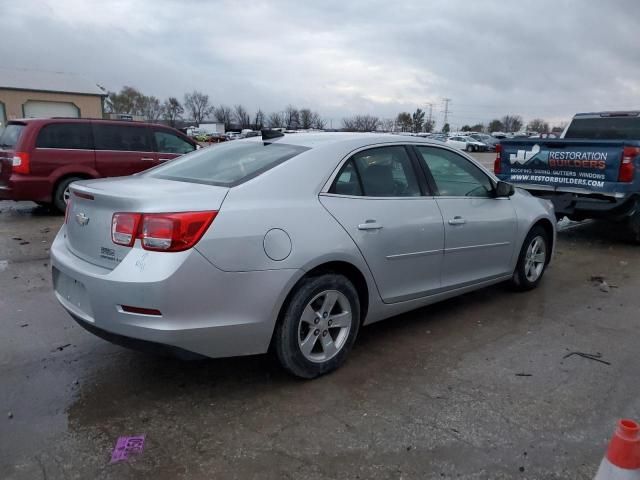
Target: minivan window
227,164
605,128
122,138
167,142
73,136
11,134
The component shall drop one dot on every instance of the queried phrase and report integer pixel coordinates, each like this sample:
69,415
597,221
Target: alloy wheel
324,326
535,258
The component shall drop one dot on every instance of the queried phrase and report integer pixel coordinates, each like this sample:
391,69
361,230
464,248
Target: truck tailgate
566,165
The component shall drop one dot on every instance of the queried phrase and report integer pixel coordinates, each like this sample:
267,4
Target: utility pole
430,118
446,110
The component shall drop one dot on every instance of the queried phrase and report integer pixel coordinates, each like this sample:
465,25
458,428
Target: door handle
147,159
369,225
457,220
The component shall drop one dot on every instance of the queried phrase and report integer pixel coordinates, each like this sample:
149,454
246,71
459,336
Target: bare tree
404,121
495,125
478,127
428,125
258,121
317,121
172,110
241,116
512,123
222,114
306,118
125,101
152,109
275,120
360,123
291,117
387,124
197,105
538,125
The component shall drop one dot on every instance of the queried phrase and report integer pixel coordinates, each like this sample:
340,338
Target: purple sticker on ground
126,446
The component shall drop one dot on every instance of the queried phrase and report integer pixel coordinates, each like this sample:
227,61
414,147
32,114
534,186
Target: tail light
497,163
627,168
161,232
20,163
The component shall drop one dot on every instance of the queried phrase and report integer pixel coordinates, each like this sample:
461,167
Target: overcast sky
538,58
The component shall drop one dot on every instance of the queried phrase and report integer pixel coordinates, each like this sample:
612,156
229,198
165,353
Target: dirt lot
476,387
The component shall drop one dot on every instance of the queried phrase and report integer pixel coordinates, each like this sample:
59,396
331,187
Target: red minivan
40,157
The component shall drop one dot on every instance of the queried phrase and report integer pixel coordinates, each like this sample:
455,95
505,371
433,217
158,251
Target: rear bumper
26,187
590,205
204,310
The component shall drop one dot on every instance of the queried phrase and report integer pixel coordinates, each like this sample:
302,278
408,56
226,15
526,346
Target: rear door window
11,134
71,136
228,164
387,172
605,128
127,138
167,142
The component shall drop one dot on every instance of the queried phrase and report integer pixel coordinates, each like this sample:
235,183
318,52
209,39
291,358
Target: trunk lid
94,202
6,166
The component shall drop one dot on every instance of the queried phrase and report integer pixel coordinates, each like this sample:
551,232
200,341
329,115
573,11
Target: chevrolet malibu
290,243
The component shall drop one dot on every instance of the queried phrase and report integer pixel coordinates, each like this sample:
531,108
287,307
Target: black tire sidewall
58,195
519,280
286,341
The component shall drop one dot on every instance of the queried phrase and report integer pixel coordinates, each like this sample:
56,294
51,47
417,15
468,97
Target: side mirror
504,189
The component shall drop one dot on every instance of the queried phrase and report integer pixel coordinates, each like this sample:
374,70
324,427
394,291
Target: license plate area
72,291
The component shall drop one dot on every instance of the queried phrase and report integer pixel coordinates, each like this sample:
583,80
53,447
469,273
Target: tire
59,199
527,275
307,341
469,148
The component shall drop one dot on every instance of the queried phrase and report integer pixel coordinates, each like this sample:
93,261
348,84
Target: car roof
312,140
40,121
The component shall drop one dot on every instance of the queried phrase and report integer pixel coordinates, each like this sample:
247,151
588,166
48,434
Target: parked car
490,141
40,158
468,144
294,241
593,171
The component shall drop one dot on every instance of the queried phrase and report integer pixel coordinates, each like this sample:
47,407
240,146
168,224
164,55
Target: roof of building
43,81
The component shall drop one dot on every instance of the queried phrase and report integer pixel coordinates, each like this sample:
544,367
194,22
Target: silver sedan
291,242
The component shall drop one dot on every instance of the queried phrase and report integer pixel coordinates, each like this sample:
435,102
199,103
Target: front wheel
319,326
533,260
469,148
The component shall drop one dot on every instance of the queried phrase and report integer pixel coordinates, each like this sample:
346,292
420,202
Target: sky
539,59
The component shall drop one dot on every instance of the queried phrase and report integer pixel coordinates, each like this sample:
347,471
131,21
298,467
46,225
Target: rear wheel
319,326
533,260
61,193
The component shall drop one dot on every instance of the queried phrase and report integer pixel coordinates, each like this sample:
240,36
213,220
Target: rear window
73,136
10,135
228,164
606,128
122,138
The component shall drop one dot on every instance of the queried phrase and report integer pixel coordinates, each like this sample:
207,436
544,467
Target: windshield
10,135
605,128
227,165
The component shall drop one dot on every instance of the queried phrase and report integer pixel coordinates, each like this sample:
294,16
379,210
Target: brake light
161,232
627,168
497,163
20,163
124,228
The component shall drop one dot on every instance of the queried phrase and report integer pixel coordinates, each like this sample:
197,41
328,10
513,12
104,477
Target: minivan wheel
61,193
319,326
533,260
